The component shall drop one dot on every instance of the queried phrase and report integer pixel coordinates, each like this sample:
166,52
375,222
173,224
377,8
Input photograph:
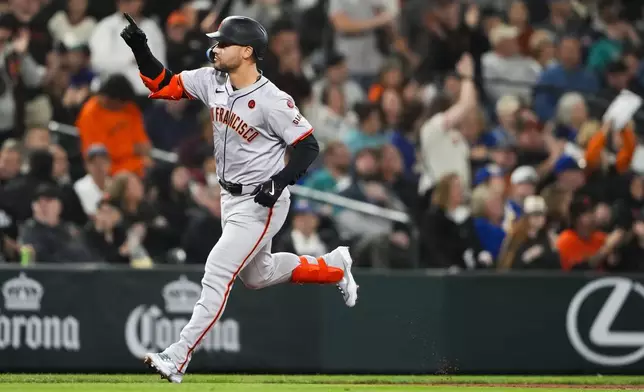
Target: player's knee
251,285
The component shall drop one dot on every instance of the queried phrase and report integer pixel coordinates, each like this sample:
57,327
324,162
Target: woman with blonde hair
529,245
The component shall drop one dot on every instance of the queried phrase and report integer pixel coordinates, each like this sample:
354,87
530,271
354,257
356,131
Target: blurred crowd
481,120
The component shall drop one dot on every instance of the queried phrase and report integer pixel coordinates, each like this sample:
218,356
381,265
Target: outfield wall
103,320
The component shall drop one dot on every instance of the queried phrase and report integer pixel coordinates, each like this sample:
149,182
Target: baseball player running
253,122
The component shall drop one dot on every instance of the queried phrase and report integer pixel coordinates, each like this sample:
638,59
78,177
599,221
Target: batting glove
133,36
266,194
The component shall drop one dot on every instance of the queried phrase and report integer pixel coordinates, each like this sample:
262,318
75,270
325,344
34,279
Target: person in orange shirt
111,118
582,246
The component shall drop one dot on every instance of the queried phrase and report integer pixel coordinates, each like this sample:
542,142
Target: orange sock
320,273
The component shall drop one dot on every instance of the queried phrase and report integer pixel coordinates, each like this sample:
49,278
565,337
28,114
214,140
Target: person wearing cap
91,187
304,236
569,173
47,236
112,119
529,245
336,73
110,54
185,46
505,71
582,246
503,153
523,183
490,175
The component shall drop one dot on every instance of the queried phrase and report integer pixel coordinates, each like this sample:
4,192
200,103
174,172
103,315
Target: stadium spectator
523,183
507,113
570,174
404,138
542,49
172,199
92,186
572,114
519,17
105,235
391,105
194,150
505,71
49,238
169,123
610,46
81,76
140,216
72,23
184,48
443,149
112,119
449,237
283,38
390,76
393,175
110,54
487,209
367,187
10,161
582,246
32,104
290,76
37,138
529,245
355,36
334,175
204,227
562,19
337,74
490,175
329,116
369,131
568,75
304,236
15,57
617,78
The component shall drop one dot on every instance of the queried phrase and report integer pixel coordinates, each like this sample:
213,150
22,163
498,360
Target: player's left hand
266,194
133,36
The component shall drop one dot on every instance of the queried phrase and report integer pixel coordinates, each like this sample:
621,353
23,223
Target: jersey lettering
234,122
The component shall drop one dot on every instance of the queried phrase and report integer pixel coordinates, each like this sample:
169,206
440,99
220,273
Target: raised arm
159,80
467,98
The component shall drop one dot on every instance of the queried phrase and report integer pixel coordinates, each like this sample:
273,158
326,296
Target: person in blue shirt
369,132
487,208
564,77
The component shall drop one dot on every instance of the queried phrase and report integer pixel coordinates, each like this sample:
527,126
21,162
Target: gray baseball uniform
252,127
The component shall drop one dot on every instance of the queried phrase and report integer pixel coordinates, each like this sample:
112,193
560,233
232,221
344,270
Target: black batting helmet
243,31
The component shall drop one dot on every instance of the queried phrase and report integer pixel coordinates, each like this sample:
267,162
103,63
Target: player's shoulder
276,97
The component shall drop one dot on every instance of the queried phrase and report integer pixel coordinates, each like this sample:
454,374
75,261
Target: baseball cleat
348,286
162,364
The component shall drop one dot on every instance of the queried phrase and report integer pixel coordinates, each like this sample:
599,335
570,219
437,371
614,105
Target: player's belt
237,189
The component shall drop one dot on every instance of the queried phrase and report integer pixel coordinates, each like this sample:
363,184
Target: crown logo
22,294
181,295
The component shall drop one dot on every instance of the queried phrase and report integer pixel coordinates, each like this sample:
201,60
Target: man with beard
253,123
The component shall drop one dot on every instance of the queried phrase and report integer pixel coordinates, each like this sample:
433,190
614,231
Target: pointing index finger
129,19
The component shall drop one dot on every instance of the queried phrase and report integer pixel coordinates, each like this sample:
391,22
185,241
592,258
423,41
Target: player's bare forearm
303,155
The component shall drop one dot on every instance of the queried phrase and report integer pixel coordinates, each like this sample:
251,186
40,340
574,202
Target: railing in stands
307,193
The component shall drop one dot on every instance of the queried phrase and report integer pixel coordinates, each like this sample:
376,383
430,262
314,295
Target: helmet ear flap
210,53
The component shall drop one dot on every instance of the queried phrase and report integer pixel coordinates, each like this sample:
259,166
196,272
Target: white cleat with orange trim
162,364
348,286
